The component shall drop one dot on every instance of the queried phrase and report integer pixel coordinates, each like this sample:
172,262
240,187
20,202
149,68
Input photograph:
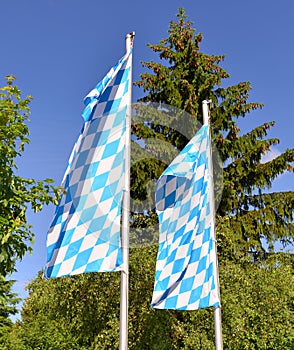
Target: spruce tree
8,306
248,214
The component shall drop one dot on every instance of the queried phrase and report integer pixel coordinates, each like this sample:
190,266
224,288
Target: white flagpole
217,309
124,279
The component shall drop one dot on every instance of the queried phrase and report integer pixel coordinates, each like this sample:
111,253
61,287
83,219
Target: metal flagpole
217,309
124,279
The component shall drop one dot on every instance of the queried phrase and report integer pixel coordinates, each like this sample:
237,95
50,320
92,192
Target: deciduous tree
17,194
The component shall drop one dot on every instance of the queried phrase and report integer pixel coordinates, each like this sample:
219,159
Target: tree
17,193
186,78
8,306
84,313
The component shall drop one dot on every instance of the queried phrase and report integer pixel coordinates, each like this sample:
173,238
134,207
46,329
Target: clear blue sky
59,49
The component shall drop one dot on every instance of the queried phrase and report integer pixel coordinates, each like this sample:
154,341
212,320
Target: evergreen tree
185,77
8,306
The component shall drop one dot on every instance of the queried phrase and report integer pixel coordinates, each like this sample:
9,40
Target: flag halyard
186,262
85,233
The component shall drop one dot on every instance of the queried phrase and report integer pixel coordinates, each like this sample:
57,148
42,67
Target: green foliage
78,306
84,310
258,304
40,334
17,194
8,303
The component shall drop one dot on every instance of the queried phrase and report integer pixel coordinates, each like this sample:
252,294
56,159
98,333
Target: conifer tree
248,214
8,303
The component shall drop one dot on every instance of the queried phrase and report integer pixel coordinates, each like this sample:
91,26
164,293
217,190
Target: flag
185,276
85,233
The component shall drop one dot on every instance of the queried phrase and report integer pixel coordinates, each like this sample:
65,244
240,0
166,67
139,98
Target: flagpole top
130,35
129,40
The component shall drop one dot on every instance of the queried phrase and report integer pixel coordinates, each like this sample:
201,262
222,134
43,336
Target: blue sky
60,49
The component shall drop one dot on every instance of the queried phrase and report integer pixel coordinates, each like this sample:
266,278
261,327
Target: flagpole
217,309
124,279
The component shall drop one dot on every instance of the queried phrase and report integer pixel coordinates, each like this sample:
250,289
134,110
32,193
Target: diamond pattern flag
85,233
186,262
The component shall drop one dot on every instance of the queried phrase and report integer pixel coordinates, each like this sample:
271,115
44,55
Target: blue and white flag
186,263
85,233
